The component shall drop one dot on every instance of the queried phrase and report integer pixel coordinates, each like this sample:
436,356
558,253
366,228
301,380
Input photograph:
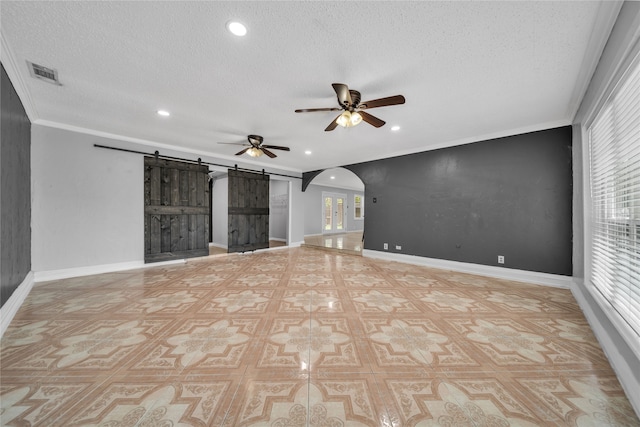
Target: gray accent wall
510,196
15,191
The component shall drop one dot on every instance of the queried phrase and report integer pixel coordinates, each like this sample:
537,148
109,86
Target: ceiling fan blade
309,110
275,147
233,143
372,120
239,153
267,152
332,125
383,102
342,90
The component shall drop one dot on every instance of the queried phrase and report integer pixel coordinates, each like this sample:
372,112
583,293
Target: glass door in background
334,213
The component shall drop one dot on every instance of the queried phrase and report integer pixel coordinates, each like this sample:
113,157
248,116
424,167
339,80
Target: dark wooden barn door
248,211
176,210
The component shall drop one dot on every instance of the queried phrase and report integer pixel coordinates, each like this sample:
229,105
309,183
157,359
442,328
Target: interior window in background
358,207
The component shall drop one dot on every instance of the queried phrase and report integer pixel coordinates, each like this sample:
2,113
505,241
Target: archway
334,211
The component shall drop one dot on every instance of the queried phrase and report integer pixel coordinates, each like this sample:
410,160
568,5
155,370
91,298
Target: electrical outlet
500,259
386,246
398,248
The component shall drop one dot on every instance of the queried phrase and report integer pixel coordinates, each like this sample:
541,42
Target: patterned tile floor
303,337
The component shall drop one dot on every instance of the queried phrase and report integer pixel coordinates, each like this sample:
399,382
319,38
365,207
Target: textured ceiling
469,71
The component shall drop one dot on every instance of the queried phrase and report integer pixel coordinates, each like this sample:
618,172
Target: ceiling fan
255,147
353,114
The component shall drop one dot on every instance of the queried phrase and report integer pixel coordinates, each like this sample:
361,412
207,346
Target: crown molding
11,66
173,149
605,20
470,140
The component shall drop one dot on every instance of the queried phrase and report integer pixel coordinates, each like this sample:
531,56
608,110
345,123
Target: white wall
296,213
220,214
278,209
88,203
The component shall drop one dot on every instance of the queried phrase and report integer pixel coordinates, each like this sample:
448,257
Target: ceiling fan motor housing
255,140
355,99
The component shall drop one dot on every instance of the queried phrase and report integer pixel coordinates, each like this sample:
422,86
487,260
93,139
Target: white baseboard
12,305
43,276
217,245
546,279
277,239
313,235
626,373
277,248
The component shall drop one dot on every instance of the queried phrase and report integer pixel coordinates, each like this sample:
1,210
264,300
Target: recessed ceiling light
333,177
163,113
395,128
307,152
236,28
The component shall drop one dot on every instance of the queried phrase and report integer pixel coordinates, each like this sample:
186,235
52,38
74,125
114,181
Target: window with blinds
614,139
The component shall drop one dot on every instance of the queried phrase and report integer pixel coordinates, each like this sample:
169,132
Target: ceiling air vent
43,73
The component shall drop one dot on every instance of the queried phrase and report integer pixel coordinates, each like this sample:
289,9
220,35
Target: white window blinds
614,138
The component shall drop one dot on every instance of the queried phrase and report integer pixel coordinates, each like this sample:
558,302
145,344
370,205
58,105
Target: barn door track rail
157,155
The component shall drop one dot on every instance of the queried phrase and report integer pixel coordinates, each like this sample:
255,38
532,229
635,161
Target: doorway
279,198
342,226
334,213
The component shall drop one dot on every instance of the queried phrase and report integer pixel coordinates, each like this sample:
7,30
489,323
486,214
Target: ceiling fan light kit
349,119
254,152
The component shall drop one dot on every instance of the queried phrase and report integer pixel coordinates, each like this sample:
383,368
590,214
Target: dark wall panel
15,193
509,196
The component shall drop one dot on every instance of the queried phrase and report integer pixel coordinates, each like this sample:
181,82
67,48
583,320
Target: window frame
355,207
629,333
